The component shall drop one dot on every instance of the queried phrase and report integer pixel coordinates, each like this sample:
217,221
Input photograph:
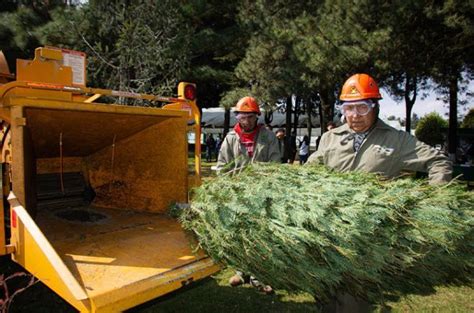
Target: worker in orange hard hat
247,105
367,144
248,142
247,112
361,93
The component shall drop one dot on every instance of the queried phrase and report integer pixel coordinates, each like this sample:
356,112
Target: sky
389,107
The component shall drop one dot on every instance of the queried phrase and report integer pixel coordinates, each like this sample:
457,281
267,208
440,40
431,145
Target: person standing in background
304,150
280,134
210,147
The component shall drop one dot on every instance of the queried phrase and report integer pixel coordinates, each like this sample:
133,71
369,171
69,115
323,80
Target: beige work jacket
232,150
385,151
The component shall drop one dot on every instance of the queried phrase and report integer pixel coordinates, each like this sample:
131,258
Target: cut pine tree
316,230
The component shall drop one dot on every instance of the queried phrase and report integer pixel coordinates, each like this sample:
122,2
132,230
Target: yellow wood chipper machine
89,185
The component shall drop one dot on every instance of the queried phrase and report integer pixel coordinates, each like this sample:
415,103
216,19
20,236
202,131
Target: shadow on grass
208,296
35,298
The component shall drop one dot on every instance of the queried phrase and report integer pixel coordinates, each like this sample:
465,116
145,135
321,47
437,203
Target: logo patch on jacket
384,150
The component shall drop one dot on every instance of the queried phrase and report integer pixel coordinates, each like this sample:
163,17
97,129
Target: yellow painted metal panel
125,298
53,165
194,120
144,172
20,181
23,164
34,253
83,133
40,94
126,258
89,107
46,72
48,53
123,249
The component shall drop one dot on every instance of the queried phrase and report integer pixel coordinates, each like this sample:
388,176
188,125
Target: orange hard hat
360,87
247,105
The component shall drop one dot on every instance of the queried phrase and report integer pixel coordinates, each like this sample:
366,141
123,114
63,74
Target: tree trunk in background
410,88
326,108
453,116
226,122
309,109
321,118
296,114
288,125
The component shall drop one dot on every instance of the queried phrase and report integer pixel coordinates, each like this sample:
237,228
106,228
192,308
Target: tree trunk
226,122
411,86
296,114
309,109
322,115
453,116
326,108
288,125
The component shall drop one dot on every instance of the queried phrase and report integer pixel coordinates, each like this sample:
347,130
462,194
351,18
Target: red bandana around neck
247,139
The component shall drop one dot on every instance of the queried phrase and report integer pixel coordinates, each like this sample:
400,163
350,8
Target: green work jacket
385,151
233,151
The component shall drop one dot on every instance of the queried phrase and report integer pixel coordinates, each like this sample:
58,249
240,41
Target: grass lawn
214,295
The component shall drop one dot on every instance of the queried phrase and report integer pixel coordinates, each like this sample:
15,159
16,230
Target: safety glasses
357,107
245,116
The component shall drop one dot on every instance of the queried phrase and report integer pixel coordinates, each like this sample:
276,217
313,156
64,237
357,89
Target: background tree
325,42
18,23
468,121
429,129
279,51
404,59
142,47
452,55
270,70
217,45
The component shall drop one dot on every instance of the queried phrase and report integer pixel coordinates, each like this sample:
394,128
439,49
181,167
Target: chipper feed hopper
89,185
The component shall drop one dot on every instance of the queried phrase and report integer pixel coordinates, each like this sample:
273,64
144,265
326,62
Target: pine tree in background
18,23
217,45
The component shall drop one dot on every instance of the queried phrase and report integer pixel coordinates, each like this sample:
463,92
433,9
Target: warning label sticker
77,61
